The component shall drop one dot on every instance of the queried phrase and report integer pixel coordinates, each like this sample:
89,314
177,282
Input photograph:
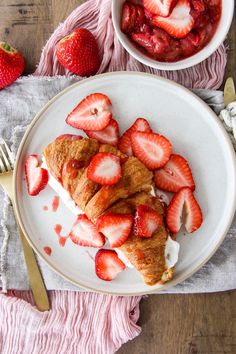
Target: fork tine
5,159
10,154
2,167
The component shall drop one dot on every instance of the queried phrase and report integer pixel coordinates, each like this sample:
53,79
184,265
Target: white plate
194,131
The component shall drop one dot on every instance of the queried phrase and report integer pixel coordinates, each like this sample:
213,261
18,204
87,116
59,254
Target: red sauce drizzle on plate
48,250
45,208
55,203
61,239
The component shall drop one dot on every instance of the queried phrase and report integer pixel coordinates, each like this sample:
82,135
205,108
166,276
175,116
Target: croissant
67,160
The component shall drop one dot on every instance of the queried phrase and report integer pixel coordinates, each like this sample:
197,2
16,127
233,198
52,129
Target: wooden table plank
171,324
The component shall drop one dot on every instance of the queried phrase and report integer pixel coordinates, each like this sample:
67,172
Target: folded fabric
20,102
81,323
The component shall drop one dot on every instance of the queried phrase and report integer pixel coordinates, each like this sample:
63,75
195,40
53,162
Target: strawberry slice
108,135
105,169
179,23
159,7
84,233
152,149
36,177
116,227
175,175
92,113
146,221
184,199
141,125
108,265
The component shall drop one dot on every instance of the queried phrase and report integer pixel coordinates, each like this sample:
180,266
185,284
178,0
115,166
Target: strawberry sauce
171,38
61,239
55,203
45,208
47,250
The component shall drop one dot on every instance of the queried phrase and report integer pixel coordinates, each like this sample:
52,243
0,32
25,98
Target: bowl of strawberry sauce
172,34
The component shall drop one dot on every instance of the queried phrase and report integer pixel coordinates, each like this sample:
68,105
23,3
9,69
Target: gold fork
35,277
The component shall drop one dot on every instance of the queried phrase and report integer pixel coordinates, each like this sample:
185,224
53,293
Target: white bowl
211,47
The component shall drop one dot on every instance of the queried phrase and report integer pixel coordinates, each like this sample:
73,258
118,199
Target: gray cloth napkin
19,103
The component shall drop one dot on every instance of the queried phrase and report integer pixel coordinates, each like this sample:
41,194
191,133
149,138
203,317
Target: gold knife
229,91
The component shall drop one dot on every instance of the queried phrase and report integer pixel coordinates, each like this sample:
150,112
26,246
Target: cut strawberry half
129,17
108,135
141,125
159,7
116,227
152,149
184,199
146,221
108,265
179,23
175,175
36,177
105,169
84,233
92,113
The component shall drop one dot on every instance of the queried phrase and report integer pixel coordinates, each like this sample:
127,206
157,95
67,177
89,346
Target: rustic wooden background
171,324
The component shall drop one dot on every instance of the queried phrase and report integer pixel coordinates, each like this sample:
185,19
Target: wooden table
171,324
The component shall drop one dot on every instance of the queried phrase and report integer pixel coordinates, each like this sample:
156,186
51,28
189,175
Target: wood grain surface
171,324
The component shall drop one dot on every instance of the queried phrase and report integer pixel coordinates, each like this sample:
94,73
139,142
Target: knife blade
229,91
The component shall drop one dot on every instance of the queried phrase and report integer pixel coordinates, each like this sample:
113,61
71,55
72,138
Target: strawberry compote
189,26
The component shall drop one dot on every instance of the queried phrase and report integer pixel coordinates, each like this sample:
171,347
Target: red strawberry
142,125
175,175
189,44
116,227
108,135
179,23
36,177
198,5
108,265
140,16
128,18
105,169
78,52
152,149
156,43
159,7
183,199
71,137
146,221
11,64
92,113
84,233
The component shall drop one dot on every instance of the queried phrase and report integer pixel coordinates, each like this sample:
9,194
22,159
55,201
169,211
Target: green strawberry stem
7,47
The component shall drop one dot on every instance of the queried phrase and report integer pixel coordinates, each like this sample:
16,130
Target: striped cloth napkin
78,322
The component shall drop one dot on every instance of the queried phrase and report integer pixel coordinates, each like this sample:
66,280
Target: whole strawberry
78,53
11,64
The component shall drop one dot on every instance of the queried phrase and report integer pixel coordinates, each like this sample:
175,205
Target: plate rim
37,117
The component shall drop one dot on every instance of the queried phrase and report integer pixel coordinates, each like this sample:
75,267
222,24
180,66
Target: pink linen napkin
88,322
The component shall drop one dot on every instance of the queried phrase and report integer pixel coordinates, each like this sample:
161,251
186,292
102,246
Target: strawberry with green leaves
11,64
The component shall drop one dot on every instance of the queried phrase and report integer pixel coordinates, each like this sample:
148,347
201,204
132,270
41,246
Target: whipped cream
61,191
123,258
171,252
171,249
